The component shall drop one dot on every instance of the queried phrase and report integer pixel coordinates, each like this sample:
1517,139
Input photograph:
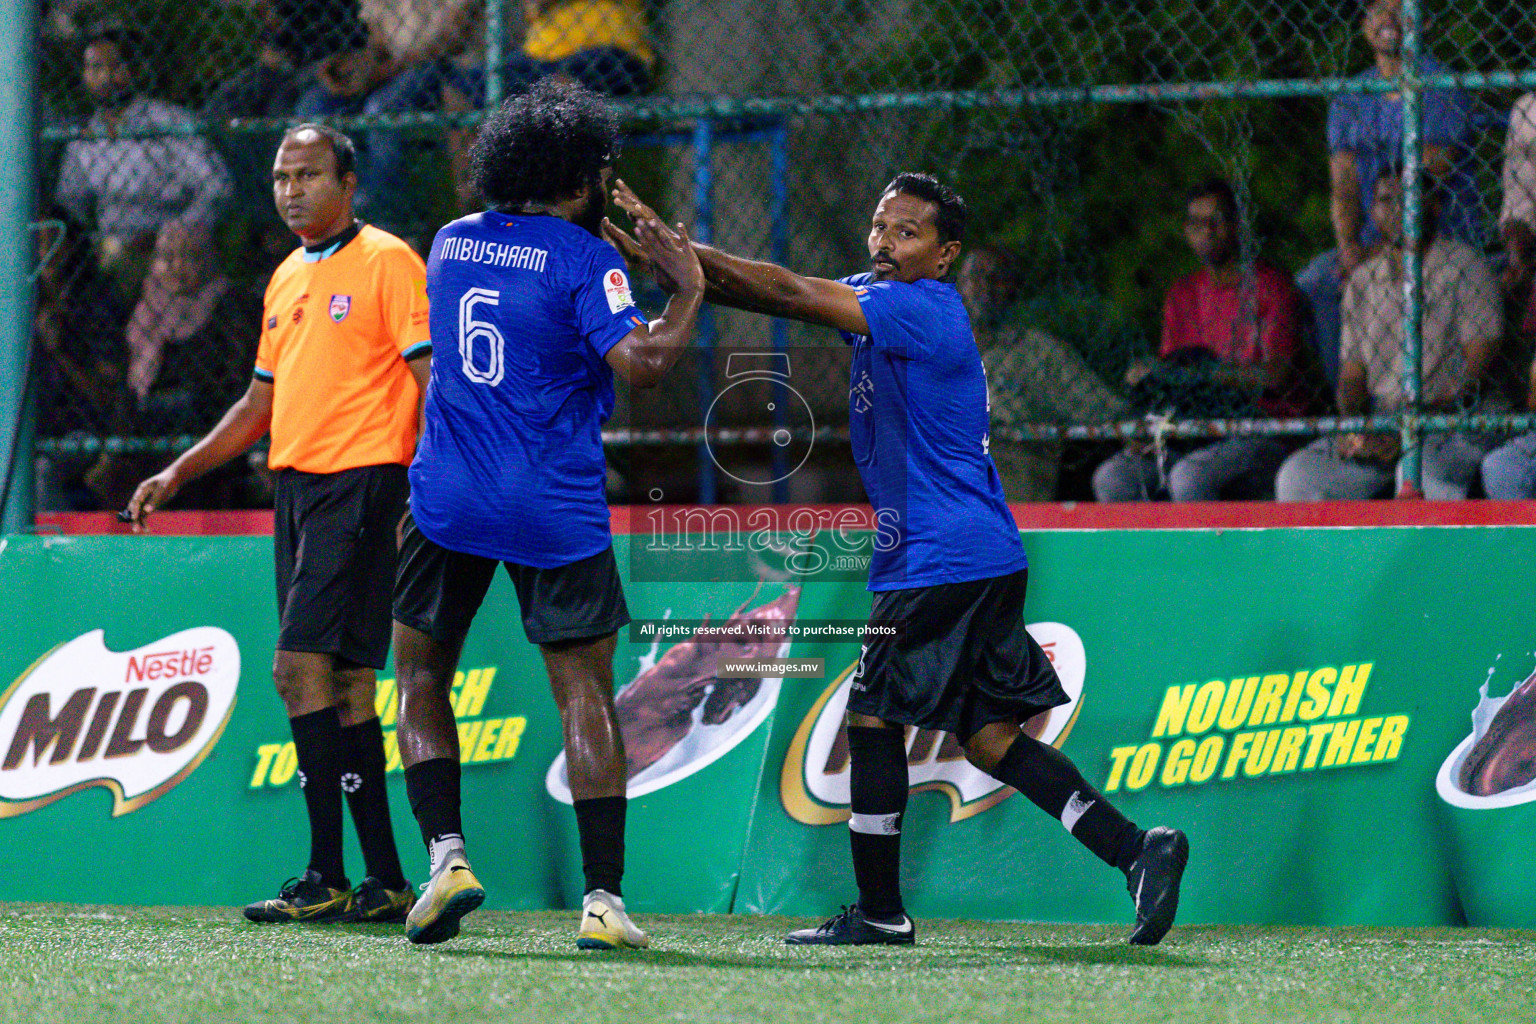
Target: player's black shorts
439,591
334,542
961,658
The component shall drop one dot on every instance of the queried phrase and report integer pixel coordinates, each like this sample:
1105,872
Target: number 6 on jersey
472,330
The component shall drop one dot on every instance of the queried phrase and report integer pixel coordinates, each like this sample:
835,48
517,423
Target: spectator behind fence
79,359
1462,323
603,44
406,66
600,43
401,66
296,35
1032,376
131,187
1230,347
1365,133
190,342
190,349
1509,472
1517,218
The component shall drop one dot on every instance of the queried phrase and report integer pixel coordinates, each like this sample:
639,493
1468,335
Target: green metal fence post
495,59
18,143
1413,263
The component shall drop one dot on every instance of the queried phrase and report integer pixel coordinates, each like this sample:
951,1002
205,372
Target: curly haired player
510,470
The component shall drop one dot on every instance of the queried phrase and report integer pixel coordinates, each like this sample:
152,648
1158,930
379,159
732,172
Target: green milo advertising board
1342,720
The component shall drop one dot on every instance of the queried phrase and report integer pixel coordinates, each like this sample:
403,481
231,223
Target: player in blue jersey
951,572
533,314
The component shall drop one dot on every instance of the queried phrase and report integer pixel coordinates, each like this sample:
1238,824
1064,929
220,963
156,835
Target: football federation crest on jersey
341,305
616,289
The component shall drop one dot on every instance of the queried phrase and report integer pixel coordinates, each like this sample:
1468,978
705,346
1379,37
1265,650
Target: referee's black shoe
374,904
1153,883
852,928
302,899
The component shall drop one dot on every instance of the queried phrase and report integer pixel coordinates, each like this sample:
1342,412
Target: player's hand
150,495
632,204
668,250
635,256
671,253
636,207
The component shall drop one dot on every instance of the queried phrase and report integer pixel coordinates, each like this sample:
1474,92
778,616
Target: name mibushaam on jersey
497,254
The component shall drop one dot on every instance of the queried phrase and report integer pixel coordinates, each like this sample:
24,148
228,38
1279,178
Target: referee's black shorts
438,592
334,542
960,658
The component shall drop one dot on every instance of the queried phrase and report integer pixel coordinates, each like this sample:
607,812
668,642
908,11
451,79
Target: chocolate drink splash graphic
656,710
1504,757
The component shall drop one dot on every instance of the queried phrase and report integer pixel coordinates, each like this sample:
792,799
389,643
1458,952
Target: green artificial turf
85,965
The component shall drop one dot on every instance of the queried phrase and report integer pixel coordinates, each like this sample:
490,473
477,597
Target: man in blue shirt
534,316
948,567
1365,134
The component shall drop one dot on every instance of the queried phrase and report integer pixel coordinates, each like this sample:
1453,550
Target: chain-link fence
1212,247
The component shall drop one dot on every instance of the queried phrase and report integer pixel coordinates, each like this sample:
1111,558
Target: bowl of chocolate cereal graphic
1488,786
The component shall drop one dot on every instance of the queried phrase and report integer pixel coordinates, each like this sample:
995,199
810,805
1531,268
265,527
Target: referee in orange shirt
340,374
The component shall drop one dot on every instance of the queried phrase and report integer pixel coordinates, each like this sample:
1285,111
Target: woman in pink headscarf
191,339
191,345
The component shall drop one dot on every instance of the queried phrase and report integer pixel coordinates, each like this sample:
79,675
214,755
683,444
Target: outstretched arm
748,284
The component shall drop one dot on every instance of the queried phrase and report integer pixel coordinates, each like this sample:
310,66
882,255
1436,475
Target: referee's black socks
368,800
877,790
1048,778
317,742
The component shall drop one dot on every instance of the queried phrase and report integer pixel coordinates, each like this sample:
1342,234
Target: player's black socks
1053,783
600,823
363,782
433,790
317,741
877,789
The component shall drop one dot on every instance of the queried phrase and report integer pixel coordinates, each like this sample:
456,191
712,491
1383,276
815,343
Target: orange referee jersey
337,329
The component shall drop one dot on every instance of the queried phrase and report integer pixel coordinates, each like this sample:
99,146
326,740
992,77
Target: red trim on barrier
1252,515
1227,515
252,521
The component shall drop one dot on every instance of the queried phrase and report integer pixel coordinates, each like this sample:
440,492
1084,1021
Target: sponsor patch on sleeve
616,289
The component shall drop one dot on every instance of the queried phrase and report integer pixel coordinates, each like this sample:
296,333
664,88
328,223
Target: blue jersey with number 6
510,464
